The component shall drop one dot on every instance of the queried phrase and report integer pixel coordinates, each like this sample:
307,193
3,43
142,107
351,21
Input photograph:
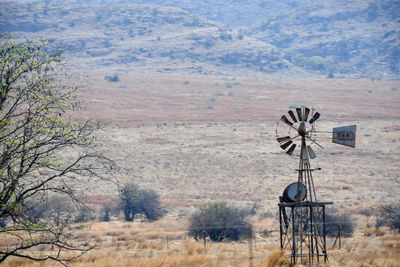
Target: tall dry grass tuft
276,258
380,231
149,245
149,235
192,246
369,231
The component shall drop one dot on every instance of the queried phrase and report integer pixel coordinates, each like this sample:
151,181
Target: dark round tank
291,192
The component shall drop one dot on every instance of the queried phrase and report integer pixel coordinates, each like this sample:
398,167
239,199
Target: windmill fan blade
304,155
285,120
281,139
291,149
314,118
292,115
299,115
285,145
306,113
311,152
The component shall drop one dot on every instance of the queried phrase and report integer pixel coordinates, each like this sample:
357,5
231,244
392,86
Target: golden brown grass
276,258
143,244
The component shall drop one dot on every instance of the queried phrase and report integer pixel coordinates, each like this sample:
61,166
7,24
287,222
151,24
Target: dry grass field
196,139
164,243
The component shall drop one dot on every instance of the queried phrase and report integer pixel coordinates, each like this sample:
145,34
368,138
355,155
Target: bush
219,221
84,214
108,210
57,209
388,215
138,201
335,222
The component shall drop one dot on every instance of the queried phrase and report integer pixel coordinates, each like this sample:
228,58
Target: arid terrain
201,138
196,139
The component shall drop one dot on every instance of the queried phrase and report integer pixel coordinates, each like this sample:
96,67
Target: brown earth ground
196,139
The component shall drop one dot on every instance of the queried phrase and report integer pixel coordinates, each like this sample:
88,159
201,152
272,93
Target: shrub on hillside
138,201
114,78
219,221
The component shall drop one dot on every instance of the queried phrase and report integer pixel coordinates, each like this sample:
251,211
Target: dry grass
276,258
193,247
375,231
149,245
366,248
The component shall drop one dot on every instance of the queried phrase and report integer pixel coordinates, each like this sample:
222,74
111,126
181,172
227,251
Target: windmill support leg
293,261
311,237
324,234
305,233
280,226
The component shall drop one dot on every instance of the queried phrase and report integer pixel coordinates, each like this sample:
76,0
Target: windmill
301,216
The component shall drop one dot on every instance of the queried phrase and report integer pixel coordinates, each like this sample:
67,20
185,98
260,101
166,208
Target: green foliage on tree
139,201
219,221
42,149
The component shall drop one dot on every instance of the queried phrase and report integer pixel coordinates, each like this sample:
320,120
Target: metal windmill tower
301,215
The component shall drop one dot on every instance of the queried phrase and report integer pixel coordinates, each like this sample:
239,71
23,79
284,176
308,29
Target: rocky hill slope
339,38
141,37
332,38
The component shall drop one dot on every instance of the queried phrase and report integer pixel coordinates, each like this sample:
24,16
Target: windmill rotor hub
302,129
298,125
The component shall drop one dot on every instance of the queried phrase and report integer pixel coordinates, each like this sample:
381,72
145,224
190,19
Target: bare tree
388,215
42,149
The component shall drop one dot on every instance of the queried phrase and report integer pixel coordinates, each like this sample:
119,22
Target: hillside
337,38
330,38
360,38
140,37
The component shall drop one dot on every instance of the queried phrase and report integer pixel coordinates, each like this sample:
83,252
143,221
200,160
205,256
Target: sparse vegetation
113,78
